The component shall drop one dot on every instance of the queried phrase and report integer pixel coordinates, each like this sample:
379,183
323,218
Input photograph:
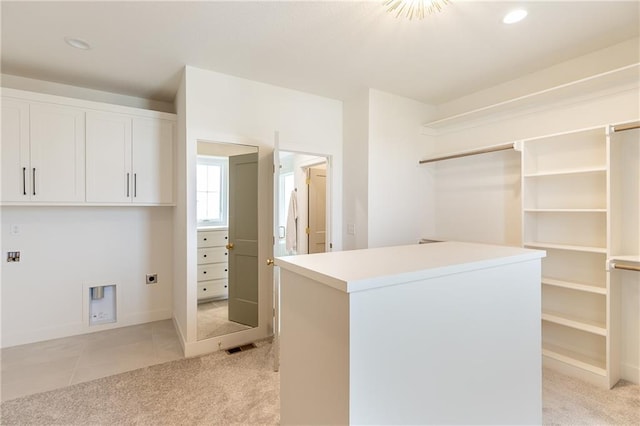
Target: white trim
81,103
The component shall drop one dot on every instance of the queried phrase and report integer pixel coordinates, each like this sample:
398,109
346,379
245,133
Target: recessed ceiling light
514,16
77,43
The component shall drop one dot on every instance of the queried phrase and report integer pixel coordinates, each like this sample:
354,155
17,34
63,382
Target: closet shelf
626,75
574,286
623,258
575,171
577,323
568,247
593,365
565,210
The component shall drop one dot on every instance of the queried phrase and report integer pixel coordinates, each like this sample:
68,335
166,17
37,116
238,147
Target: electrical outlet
13,256
152,278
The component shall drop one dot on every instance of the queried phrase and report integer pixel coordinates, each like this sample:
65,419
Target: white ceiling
326,48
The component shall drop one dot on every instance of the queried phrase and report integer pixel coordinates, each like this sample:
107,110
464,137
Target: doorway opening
302,204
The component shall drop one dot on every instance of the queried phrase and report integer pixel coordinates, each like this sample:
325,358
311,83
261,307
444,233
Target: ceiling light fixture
77,43
414,8
514,16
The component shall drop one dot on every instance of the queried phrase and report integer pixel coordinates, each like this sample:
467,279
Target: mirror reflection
227,215
302,201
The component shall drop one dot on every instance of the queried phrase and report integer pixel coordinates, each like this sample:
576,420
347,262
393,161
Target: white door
109,176
317,185
152,161
16,166
243,239
57,144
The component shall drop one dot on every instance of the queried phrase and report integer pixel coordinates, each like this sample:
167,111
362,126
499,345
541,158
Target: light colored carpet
213,389
213,320
569,401
221,389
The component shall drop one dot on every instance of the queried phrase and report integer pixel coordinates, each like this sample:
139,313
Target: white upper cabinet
63,151
152,161
42,152
109,176
16,163
129,159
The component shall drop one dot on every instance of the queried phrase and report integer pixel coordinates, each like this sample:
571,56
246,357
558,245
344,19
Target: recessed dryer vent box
102,304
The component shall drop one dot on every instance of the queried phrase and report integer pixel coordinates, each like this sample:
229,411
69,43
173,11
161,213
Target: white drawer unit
214,289
212,271
212,264
217,238
212,254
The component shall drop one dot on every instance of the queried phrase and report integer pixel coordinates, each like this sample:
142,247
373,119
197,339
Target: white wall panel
398,187
223,108
64,249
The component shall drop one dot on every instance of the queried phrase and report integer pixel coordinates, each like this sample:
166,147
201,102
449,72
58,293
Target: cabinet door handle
24,181
34,181
135,184
127,185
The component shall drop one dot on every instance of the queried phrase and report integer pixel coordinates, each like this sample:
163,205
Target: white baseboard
42,334
181,338
226,341
630,373
76,328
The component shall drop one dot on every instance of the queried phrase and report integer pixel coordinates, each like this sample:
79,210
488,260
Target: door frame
276,222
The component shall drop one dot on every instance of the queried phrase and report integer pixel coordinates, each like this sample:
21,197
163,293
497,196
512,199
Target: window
211,192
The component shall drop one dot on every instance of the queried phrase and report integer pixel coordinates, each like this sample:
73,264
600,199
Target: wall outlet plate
13,256
152,278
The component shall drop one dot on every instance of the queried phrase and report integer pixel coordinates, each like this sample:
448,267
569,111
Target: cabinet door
57,153
109,176
152,161
16,168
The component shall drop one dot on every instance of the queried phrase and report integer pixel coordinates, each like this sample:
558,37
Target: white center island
424,334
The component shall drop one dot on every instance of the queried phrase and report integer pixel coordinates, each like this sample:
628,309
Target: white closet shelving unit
624,235
565,212
580,195
625,194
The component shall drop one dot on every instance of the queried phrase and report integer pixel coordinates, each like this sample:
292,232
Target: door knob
229,246
269,262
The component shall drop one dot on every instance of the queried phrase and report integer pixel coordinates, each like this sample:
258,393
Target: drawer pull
225,286
205,255
204,289
226,270
204,272
205,238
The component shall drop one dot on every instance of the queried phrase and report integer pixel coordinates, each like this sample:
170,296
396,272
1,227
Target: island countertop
358,270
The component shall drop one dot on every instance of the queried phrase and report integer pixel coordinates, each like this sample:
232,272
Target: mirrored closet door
227,215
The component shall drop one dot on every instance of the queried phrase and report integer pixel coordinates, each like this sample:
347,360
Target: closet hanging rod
625,267
494,148
629,126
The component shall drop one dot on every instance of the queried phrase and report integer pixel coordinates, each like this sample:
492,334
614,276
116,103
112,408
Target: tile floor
43,366
213,320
